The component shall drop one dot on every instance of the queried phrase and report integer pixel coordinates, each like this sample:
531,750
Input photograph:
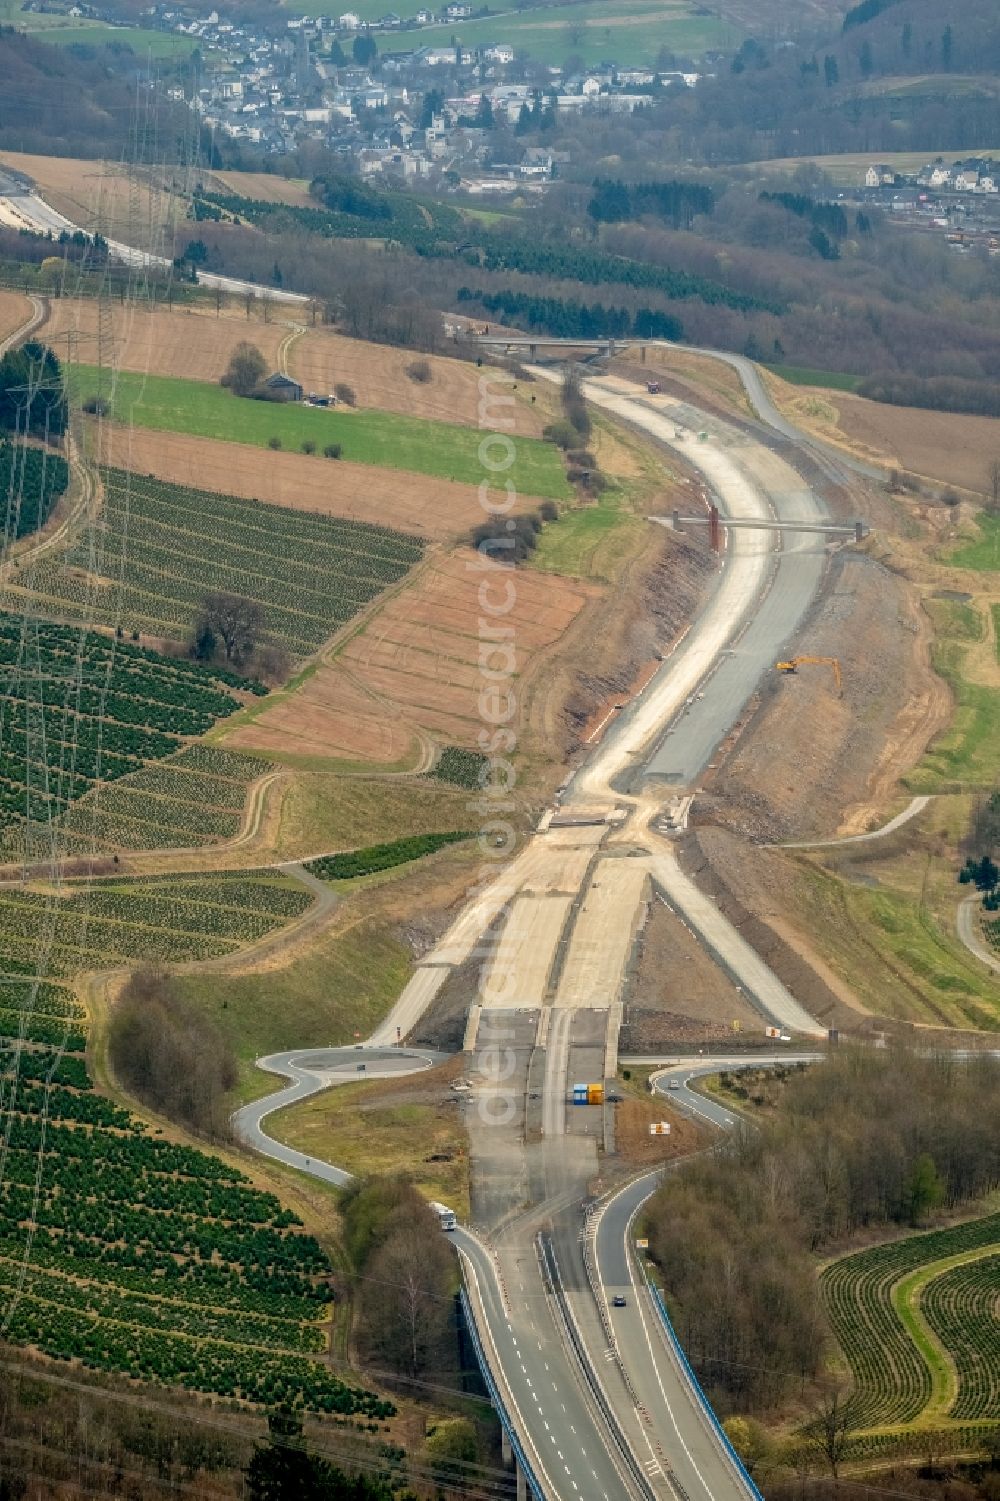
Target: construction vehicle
653,387
796,662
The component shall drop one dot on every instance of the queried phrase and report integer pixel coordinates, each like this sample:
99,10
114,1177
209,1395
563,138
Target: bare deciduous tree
235,621
245,371
993,486
832,1426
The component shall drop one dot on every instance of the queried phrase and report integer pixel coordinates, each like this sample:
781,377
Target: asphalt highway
543,1394
28,210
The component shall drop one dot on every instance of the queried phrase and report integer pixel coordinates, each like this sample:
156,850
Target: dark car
618,1301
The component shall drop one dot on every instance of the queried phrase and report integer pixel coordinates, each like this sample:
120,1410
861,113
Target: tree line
170,1055
404,1277
677,203
32,397
865,1140
565,319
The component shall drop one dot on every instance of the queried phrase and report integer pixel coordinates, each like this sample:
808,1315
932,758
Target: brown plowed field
196,343
437,509
378,375
419,657
14,311
263,186
949,448
187,342
96,195
330,716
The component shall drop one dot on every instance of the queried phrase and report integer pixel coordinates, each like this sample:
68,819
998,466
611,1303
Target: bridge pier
506,1452
533,350
522,1485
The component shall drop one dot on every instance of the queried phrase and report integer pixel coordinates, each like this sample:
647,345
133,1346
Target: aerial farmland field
445,450
147,1258
163,547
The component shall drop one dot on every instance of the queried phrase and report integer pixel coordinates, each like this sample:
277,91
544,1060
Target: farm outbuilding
283,388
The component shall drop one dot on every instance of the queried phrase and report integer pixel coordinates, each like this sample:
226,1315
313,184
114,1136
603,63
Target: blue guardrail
515,1443
696,1387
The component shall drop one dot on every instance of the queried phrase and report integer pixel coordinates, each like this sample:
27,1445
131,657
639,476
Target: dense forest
867,1140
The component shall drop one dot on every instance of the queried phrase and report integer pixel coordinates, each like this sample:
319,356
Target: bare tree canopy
170,1055
233,620
245,371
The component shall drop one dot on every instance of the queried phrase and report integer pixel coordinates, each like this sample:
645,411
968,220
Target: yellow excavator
796,662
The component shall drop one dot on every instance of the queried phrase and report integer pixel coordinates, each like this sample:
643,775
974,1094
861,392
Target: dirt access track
196,343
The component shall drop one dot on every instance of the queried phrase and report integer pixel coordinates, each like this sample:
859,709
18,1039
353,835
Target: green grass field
341,985
590,541
982,553
387,439
588,31
634,34
155,44
830,380
967,754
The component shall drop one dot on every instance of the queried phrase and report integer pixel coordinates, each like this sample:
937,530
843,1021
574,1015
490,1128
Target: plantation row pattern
166,546
148,1258
31,481
153,921
892,1381
78,709
961,1308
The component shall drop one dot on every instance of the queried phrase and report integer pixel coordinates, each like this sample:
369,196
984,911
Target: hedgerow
364,862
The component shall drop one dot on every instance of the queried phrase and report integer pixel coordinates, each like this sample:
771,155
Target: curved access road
37,318
310,1071
965,925
760,400
915,806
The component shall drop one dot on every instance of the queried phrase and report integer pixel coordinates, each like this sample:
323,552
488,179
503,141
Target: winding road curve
312,1070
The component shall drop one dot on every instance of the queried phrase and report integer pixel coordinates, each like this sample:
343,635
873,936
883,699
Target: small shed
283,388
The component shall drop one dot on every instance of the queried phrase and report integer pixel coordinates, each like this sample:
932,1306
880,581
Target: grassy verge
967,754
321,814
442,449
831,380
411,1125
342,985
